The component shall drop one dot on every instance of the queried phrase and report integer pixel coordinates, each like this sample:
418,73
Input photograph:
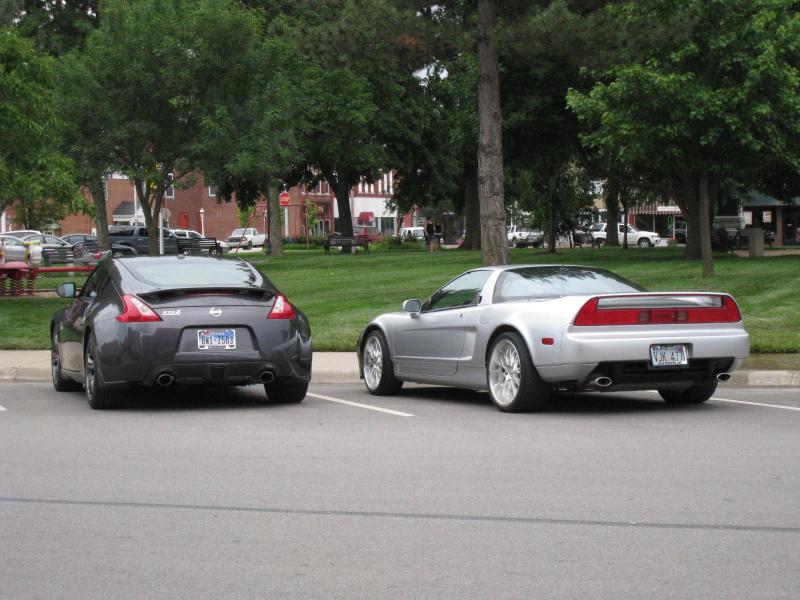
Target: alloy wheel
504,372
373,362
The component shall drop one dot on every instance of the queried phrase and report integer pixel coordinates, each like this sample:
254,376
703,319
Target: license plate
216,339
669,355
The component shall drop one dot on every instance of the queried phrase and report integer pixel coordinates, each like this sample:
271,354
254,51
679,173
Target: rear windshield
195,273
553,282
237,232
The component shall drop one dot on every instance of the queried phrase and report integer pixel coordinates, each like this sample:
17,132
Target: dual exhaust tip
167,379
604,382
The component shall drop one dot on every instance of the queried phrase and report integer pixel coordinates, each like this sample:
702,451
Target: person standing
437,234
429,233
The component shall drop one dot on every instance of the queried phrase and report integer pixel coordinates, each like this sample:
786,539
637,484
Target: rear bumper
625,357
233,373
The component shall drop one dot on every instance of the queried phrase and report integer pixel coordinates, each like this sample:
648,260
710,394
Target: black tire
381,381
98,394
600,242
644,243
250,245
288,391
532,393
697,394
60,383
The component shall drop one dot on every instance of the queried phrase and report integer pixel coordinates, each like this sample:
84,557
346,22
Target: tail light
718,309
282,309
136,311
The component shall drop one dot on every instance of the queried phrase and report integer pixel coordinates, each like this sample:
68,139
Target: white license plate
216,339
669,355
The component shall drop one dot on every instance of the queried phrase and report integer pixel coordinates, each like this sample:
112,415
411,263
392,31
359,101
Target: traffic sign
284,198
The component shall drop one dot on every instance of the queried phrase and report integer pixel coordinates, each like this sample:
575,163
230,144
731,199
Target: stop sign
284,198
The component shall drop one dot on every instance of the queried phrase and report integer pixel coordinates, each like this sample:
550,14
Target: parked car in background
136,237
21,233
90,244
245,237
582,235
514,233
370,232
414,233
15,250
532,238
187,234
46,241
636,237
168,320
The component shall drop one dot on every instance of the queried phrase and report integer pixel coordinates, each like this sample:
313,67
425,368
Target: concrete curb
342,367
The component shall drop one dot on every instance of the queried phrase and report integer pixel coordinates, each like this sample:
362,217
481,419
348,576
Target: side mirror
413,307
66,290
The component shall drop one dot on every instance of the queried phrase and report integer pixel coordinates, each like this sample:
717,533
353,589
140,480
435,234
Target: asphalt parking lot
429,494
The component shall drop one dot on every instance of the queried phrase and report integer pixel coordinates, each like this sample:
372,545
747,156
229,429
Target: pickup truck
245,238
136,237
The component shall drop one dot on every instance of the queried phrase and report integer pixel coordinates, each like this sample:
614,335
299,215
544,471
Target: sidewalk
759,370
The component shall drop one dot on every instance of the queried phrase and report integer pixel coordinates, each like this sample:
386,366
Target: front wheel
697,394
249,245
287,391
644,243
377,364
514,383
98,394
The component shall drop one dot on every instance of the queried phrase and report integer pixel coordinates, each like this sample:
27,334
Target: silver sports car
523,331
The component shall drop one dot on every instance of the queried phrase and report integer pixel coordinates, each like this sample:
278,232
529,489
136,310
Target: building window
212,191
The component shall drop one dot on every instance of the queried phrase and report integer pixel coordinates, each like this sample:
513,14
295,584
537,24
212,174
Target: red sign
284,198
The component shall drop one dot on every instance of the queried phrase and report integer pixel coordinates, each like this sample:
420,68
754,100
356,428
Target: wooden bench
343,242
197,245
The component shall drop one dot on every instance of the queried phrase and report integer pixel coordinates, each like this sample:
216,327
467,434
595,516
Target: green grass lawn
341,293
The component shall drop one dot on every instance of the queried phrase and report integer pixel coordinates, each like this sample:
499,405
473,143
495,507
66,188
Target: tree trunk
274,215
623,194
341,188
151,202
552,220
705,226
98,192
491,194
690,205
472,209
612,212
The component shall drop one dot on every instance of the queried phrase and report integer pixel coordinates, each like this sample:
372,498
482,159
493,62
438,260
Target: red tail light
136,311
282,309
593,314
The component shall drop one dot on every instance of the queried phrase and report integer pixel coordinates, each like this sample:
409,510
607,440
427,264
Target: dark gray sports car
178,320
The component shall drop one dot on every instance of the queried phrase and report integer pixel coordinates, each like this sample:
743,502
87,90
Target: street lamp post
202,221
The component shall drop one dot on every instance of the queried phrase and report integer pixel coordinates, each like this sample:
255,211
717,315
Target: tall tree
717,98
32,170
55,26
491,194
163,70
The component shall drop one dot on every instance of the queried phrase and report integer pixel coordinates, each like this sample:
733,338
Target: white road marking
758,404
2,408
358,405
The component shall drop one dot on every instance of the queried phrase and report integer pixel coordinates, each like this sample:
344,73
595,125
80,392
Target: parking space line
757,404
397,413
2,408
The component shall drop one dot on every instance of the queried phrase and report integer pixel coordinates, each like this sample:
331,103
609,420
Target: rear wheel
289,391
697,394
98,394
377,364
514,383
600,242
60,383
250,245
644,243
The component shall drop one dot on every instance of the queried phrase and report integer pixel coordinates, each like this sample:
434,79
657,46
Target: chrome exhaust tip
267,376
723,377
165,380
603,381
